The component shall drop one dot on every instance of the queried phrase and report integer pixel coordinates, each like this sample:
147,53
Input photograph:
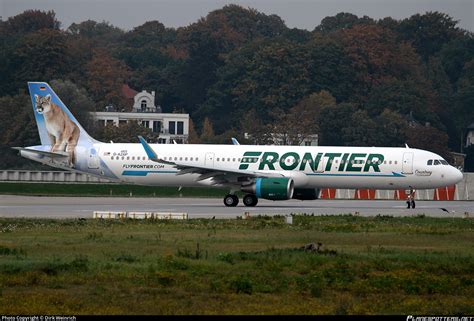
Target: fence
462,191
48,176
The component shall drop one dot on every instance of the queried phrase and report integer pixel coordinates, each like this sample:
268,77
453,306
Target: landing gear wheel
250,200
408,204
231,200
412,204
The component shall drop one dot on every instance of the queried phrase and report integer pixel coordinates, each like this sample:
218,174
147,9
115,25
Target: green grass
53,189
378,265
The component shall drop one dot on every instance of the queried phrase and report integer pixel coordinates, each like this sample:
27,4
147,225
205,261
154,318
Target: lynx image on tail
62,132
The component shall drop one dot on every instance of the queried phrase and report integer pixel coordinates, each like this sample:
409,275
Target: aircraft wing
219,176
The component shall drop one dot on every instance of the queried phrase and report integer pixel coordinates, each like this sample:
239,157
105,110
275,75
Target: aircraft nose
456,175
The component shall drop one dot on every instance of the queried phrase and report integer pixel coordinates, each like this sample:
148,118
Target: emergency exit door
209,160
407,164
93,160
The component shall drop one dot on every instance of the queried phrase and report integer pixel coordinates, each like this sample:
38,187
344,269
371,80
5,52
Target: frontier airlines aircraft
269,172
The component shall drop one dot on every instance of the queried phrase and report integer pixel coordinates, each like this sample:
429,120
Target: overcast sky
303,14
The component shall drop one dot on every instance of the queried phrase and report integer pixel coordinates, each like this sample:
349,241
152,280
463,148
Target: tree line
352,80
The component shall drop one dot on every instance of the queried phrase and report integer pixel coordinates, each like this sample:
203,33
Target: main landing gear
411,204
232,200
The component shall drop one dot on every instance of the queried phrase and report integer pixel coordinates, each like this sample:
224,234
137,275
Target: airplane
260,171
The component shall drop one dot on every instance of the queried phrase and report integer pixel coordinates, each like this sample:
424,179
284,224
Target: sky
302,14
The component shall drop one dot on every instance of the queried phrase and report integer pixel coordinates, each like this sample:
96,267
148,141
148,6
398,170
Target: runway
83,207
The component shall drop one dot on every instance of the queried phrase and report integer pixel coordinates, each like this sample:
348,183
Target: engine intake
274,189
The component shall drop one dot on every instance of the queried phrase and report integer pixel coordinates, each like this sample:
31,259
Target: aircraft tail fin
56,124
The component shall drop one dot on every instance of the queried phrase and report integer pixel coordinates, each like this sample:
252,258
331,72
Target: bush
241,284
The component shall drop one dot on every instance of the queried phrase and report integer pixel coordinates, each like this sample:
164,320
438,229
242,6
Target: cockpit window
443,162
430,162
436,162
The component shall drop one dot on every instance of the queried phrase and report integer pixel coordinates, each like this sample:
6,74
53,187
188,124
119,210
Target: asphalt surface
83,207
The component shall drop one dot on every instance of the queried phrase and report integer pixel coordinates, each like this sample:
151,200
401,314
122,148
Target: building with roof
170,126
470,135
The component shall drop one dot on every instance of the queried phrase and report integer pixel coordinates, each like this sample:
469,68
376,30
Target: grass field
409,265
53,189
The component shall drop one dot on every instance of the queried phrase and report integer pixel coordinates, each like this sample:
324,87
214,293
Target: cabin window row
145,158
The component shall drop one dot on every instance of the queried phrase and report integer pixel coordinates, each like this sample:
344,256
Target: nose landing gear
411,198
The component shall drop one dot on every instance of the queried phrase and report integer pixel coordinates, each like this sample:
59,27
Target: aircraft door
209,160
93,160
407,164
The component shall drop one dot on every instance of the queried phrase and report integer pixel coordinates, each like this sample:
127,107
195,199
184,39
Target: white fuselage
309,167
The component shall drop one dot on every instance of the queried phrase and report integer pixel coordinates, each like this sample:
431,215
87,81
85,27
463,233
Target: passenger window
430,162
436,162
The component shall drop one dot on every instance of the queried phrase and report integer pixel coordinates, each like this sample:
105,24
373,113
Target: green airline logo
249,158
346,162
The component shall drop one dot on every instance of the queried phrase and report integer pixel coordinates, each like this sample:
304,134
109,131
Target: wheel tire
231,200
413,204
250,200
408,204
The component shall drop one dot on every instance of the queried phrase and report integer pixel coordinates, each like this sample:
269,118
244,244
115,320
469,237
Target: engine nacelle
275,189
306,194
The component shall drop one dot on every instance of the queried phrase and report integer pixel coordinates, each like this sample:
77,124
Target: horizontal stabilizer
42,152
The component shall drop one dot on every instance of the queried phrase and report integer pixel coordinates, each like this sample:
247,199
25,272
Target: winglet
151,153
148,150
235,141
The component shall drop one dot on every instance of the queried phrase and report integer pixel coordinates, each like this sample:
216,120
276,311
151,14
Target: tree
455,54
342,20
40,55
254,130
405,97
77,100
376,55
391,128
332,121
428,138
262,76
32,21
126,133
193,137
429,32
207,134
301,121
105,77
17,128
464,98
